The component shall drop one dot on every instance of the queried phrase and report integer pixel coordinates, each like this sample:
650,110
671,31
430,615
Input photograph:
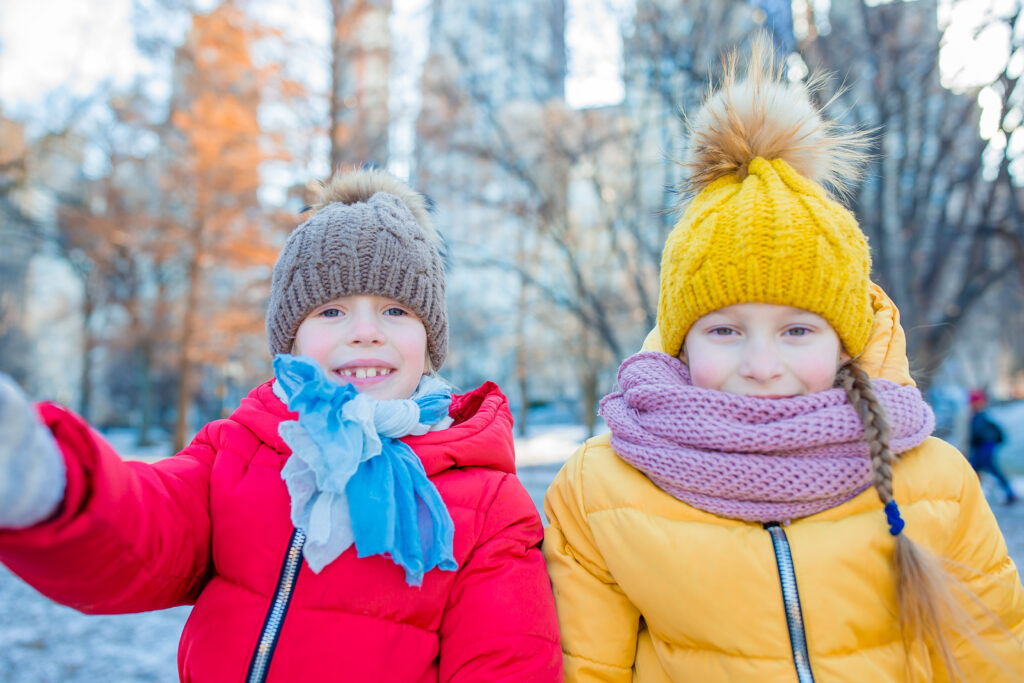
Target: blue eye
721,331
798,331
330,313
396,311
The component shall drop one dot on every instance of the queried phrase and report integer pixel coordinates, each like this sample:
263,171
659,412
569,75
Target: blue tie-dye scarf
352,481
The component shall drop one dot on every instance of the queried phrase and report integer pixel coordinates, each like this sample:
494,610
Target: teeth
363,373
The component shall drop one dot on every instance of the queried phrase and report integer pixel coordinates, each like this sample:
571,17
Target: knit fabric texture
750,458
32,473
371,247
770,237
352,482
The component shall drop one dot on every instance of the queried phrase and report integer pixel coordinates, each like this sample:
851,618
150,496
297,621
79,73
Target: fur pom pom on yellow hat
762,227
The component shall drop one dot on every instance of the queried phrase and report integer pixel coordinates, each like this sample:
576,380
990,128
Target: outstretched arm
122,536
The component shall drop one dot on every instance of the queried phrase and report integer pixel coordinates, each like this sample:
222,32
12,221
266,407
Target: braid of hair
857,384
924,588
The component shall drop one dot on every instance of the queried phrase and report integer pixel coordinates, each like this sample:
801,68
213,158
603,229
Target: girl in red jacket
351,520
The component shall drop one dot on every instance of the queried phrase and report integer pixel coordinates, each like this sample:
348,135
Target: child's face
374,343
763,350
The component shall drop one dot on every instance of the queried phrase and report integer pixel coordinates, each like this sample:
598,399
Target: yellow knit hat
762,228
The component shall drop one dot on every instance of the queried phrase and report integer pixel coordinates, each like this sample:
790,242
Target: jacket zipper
260,663
791,601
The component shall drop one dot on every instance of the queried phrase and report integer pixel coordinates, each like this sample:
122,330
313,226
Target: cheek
704,376
309,342
819,374
413,347
299,343
707,368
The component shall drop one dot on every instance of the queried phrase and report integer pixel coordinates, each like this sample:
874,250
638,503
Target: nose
364,328
761,363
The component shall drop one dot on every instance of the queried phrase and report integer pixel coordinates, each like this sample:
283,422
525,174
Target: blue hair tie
892,514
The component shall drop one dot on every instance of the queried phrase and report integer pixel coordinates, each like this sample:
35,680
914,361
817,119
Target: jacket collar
480,436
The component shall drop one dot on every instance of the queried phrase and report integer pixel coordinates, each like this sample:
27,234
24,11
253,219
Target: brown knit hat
369,234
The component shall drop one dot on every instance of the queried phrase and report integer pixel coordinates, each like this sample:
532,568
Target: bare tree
17,231
358,99
540,149
581,193
213,177
943,230
25,168
109,232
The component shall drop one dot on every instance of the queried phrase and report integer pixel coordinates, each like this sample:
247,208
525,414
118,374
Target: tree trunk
88,344
220,392
337,76
521,378
589,390
145,393
522,357
186,368
588,384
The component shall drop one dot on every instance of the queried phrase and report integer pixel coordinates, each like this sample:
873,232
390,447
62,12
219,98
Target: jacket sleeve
500,623
599,624
981,562
984,431
128,536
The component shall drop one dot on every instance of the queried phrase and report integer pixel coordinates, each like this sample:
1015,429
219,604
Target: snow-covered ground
543,444
41,642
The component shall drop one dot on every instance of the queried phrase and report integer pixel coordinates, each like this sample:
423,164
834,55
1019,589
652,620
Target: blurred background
155,154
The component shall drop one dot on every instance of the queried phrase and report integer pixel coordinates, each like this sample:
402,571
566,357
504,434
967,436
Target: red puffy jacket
211,526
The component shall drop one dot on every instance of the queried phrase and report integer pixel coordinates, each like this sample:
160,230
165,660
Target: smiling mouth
363,372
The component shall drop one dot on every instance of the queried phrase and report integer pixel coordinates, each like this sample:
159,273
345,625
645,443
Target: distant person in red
986,437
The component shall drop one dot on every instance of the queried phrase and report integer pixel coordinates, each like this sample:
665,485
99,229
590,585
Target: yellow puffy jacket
649,588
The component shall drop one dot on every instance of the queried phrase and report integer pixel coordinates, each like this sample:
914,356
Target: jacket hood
884,357
480,436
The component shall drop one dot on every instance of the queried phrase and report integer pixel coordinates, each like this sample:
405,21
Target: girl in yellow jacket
769,505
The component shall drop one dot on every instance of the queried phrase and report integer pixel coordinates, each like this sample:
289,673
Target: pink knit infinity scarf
742,457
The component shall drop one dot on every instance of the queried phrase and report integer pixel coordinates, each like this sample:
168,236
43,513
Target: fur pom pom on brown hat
370,233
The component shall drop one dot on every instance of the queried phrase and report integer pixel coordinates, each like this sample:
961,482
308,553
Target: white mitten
32,476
